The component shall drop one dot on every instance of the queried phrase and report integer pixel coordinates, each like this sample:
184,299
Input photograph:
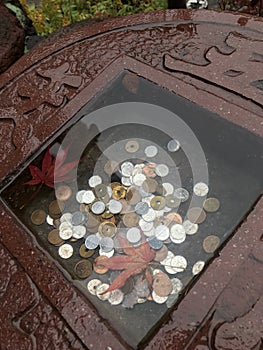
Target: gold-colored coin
132,146
162,285
172,201
149,170
171,218
211,205
114,184
106,215
38,217
54,239
157,202
101,190
211,243
149,185
83,269
55,208
63,192
98,265
133,196
131,219
84,252
111,167
118,192
107,229
196,215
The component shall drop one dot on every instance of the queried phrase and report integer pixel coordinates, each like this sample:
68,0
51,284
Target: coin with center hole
111,167
101,190
151,151
119,192
162,284
201,189
38,217
84,252
65,251
196,215
107,229
158,202
93,285
173,145
211,243
182,194
54,238
171,201
63,192
131,219
211,205
83,269
132,146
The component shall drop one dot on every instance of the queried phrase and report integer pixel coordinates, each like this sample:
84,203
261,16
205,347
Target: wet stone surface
196,307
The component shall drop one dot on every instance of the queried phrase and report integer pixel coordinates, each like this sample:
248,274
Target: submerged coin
84,252
132,146
171,201
100,292
107,229
116,297
65,251
49,220
198,267
115,206
106,244
98,266
196,215
177,285
133,235
98,207
131,219
93,285
92,242
133,196
151,151
211,243
126,181
145,226
63,192
162,284
158,299
127,169
78,218
138,179
79,196
158,202
88,197
56,207
149,185
201,189
211,205
182,194
150,215
79,231
111,167
65,232
101,190
177,233
173,145
94,180
141,208
155,243
38,217
149,170
190,227
162,170
83,269
54,238
169,188
118,192
161,254
162,232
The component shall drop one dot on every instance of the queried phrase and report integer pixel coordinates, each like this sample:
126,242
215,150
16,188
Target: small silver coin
151,151
126,181
95,180
138,179
182,194
169,188
102,289
155,243
79,196
145,226
198,267
106,244
65,251
115,206
201,189
190,227
88,197
107,254
78,218
127,169
116,297
162,170
177,285
92,242
65,232
173,145
177,232
79,231
141,208
158,299
98,207
133,235
149,216
162,232
66,217
49,220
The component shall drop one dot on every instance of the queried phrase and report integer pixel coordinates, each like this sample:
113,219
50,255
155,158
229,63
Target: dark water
233,156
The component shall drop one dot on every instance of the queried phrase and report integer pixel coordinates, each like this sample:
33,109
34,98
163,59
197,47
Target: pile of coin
140,206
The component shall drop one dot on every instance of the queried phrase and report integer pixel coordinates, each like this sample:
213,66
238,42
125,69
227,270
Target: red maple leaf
135,261
52,170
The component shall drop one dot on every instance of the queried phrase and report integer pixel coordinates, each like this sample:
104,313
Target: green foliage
54,14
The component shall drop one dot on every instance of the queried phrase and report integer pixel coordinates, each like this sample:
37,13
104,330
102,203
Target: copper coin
107,229
111,167
98,265
133,196
162,285
149,170
211,243
211,205
56,223
132,146
93,229
131,219
118,192
54,239
172,201
196,215
63,192
126,208
55,208
101,190
161,254
150,185
172,218
83,269
84,252
92,221
157,202
38,217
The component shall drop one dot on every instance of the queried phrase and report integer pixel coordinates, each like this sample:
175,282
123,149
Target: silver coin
93,285
106,244
149,216
98,207
158,299
169,189
143,193
198,267
169,256
66,217
95,180
65,224
78,218
107,254
79,196
151,151
138,179
149,233
162,232
116,297
172,298
173,145
177,232
190,228
79,231
65,251
155,243
177,285
145,226
65,232
109,190
102,289
126,181
182,194
162,170
176,264
88,197
127,169
49,220
92,242
141,208
201,189
115,206
133,235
